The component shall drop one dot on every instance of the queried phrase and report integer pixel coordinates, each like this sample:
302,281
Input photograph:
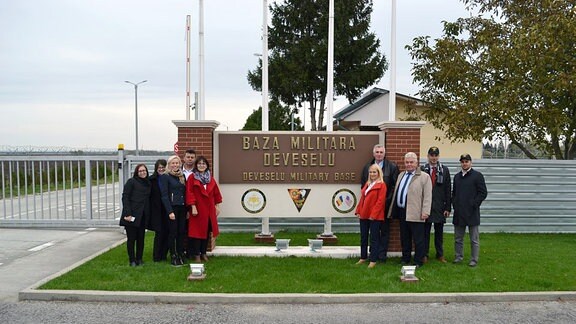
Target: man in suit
390,174
441,203
411,203
468,193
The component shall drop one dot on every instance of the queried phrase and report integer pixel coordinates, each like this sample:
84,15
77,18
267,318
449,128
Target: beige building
371,109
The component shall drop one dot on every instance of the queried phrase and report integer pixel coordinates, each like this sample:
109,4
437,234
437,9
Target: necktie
433,177
403,193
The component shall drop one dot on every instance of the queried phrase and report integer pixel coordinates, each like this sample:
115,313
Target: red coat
373,203
205,200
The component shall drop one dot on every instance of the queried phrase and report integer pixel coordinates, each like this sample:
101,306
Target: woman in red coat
370,211
203,197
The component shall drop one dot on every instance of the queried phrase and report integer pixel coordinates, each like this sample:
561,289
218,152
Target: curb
192,298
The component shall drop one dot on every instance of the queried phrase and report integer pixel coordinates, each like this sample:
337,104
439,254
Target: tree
298,42
506,72
280,118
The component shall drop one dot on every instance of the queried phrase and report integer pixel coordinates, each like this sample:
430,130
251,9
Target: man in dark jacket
390,175
468,193
441,204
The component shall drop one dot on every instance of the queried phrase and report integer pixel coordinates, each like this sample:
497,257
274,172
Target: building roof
367,98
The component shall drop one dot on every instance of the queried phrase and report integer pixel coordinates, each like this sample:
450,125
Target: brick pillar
197,135
401,137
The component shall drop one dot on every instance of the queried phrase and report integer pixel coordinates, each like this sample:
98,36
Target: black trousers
135,236
411,232
161,245
384,239
438,238
177,231
200,246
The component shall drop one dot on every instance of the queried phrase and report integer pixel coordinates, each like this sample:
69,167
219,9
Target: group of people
179,202
418,197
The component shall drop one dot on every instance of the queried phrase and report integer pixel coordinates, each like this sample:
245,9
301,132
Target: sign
176,148
294,157
291,174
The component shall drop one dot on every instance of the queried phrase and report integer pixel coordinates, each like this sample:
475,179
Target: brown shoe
425,259
197,259
371,265
441,259
361,261
204,258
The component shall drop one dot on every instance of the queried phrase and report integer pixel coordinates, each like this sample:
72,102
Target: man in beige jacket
411,204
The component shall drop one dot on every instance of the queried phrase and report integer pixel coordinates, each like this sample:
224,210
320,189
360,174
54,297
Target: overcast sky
63,64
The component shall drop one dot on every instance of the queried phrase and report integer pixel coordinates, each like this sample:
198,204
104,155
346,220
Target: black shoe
139,262
176,262
133,264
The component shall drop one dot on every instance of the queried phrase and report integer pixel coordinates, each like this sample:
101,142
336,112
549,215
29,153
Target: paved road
30,255
66,312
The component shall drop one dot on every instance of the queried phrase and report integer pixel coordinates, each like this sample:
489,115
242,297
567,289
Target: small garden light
282,244
197,271
408,273
315,244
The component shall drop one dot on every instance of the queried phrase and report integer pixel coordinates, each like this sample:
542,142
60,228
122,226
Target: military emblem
253,201
299,197
344,201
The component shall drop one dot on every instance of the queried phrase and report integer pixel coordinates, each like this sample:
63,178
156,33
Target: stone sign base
264,238
332,239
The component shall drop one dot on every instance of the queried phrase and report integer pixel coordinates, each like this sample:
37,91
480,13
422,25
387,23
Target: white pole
265,220
188,67
330,72
201,90
330,94
136,109
392,94
265,66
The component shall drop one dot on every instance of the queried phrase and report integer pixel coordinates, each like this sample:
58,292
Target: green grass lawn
508,262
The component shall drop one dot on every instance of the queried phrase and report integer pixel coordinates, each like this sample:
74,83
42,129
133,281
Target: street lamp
136,108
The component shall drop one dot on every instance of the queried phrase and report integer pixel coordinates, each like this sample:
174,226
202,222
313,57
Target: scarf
178,174
439,172
203,177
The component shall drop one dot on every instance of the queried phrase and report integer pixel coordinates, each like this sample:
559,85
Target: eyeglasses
142,171
201,163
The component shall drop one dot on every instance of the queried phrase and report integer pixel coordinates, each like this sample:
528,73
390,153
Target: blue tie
402,197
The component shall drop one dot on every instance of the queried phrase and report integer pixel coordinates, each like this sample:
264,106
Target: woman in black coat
158,221
135,212
173,189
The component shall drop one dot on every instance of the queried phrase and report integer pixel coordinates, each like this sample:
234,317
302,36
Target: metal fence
59,190
523,195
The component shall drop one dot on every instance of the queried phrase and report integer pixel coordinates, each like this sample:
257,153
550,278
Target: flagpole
392,93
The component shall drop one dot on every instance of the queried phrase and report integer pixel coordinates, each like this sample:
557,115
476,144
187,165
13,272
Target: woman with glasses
158,217
203,198
135,212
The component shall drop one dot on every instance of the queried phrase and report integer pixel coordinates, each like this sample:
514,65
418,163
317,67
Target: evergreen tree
298,42
280,118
